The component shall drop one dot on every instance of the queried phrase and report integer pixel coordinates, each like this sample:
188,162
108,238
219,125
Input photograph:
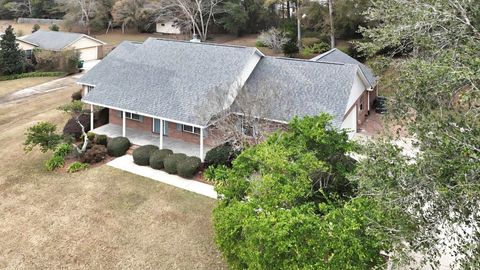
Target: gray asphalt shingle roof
337,56
299,88
52,40
168,79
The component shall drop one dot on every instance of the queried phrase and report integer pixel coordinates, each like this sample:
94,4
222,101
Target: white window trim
140,117
193,129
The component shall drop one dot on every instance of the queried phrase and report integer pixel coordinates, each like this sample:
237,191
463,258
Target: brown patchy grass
101,218
7,87
22,29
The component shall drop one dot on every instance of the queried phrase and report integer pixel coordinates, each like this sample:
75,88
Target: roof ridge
203,43
307,60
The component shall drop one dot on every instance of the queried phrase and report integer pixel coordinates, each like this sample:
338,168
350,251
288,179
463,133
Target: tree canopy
12,58
287,204
437,101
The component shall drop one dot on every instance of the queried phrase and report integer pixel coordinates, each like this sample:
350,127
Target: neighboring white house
168,27
88,47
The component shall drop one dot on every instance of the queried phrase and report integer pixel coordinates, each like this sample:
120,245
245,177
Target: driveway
87,65
55,85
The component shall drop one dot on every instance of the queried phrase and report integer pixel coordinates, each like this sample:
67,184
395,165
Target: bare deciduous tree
23,8
197,14
273,38
248,120
125,12
79,11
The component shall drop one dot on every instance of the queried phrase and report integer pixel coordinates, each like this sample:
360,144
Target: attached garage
59,41
88,54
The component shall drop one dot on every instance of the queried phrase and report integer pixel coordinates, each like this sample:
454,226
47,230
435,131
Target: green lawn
101,218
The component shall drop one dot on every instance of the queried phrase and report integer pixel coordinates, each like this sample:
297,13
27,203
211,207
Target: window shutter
140,118
205,132
119,113
179,127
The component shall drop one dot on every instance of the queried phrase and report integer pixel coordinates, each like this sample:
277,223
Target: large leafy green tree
436,179
12,58
287,204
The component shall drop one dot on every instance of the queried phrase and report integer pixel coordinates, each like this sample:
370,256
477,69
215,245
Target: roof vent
195,39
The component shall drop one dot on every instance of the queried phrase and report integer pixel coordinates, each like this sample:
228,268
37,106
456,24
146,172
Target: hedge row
31,75
172,163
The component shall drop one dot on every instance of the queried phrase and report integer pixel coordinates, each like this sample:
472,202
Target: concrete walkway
125,163
43,88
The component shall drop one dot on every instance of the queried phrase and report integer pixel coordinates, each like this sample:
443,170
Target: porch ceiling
140,137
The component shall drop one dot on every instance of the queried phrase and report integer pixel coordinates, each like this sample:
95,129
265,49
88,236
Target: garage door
88,53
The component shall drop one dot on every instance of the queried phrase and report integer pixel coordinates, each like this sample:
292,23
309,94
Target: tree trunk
332,29
288,9
299,27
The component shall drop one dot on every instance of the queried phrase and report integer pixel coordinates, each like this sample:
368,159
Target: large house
88,47
166,85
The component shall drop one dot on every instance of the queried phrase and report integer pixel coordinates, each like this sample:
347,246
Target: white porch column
91,117
123,124
201,144
368,101
161,134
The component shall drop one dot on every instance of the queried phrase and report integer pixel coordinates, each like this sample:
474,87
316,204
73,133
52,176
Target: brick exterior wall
147,126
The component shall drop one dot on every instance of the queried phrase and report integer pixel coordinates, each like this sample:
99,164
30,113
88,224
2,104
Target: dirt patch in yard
101,218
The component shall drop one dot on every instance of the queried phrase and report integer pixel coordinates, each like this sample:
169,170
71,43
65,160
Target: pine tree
12,58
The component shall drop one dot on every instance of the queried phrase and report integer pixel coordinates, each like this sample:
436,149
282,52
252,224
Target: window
162,24
132,116
361,103
28,54
190,129
89,88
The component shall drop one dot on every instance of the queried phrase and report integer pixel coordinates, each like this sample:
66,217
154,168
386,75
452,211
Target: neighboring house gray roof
337,56
53,40
164,78
296,87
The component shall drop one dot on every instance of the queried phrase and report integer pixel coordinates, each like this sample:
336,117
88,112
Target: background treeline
237,17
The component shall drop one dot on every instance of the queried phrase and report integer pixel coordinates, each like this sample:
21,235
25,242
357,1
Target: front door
156,126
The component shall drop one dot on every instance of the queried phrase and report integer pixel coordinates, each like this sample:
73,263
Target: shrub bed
72,128
95,154
77,95
31,75
157,158
220,155
141,155
170,162
101,139
77,166
188,167
118,146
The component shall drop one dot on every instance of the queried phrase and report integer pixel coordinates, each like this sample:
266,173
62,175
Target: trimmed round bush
188,167
170,162
118,146
72,128
220,155
157,158
95,154
141,155
101,139
90,136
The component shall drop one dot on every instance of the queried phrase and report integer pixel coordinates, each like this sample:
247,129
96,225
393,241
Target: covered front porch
141,137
